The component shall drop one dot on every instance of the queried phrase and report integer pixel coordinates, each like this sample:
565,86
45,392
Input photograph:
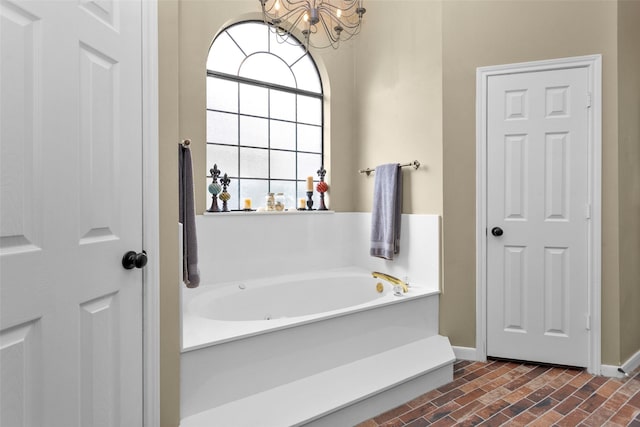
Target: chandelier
323,23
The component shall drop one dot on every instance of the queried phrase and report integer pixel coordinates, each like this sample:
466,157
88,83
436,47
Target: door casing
593,63
150,219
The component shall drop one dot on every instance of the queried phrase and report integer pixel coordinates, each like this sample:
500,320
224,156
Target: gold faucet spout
391,279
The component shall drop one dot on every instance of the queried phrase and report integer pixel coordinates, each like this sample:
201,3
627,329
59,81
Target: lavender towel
190,272
386,211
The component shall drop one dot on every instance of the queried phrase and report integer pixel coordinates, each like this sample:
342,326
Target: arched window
264,114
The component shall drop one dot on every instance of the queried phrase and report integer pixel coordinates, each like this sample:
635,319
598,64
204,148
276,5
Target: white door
538,216
71,206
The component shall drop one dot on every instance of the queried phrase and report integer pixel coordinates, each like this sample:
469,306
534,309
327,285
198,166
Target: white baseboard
465,353
631,364
610,371
614,371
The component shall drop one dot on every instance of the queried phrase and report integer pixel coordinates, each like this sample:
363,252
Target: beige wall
482,33
398,103
629,175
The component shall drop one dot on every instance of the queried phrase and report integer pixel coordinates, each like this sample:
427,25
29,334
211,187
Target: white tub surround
246,246
288,323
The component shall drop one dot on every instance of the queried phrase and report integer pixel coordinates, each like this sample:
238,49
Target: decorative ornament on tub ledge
214,188
225,196
322,188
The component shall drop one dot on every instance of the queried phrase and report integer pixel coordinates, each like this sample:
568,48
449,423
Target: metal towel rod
415,164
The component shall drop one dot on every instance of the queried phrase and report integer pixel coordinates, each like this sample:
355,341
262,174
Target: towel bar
415,164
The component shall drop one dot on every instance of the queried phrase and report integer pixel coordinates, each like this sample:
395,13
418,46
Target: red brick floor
507,393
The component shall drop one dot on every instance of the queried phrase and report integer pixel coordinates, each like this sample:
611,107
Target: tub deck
344,395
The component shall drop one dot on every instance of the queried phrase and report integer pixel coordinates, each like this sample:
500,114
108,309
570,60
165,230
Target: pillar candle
309,183
247,203
302,203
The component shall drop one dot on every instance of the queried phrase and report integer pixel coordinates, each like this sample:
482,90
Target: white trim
464,353
611,371
150,201
632,363
594,65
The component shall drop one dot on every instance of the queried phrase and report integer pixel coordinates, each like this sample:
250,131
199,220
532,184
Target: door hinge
587,211
588,325
589,100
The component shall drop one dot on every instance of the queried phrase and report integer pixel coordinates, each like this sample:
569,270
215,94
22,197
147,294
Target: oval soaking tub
289,297
219,313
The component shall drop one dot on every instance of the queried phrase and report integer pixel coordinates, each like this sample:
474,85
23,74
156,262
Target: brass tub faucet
393,280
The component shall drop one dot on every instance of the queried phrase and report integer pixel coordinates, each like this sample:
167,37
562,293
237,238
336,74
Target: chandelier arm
289,12
343,21
329,31
347,10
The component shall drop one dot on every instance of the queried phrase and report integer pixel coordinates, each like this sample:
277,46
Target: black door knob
132,259
497,231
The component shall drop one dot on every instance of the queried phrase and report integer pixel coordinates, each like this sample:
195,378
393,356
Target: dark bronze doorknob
497,231
132,259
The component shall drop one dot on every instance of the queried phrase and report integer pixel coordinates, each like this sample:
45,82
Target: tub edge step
315,398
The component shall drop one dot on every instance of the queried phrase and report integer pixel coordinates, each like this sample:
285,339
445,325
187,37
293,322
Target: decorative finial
322,188
225,196
214,188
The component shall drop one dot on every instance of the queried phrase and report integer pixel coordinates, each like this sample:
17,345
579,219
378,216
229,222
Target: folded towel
190,272
386,211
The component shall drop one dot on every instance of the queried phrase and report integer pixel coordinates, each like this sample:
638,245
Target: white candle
309,183
302,203
247,203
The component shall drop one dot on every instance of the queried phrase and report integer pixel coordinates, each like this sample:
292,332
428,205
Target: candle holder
214,189
225,196
309,200
322,188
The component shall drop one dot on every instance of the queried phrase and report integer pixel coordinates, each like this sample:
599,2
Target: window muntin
264,115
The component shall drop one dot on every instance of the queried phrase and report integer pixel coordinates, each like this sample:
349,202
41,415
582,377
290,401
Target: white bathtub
242,339
213,314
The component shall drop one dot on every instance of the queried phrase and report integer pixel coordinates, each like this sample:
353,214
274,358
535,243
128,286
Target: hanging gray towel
190,272
386,211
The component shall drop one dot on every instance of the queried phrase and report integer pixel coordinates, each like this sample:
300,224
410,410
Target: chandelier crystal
323,23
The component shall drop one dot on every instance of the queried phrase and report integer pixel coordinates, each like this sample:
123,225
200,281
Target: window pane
222,95
283,135
308,165
254,189
252,37
267,68
224,55
288,189
254,100
254,163
222,128
254,131
225,157
310,138
289,50
307,75
309,110
283,165
283,105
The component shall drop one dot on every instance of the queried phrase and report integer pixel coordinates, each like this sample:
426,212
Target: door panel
71,200
537,162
